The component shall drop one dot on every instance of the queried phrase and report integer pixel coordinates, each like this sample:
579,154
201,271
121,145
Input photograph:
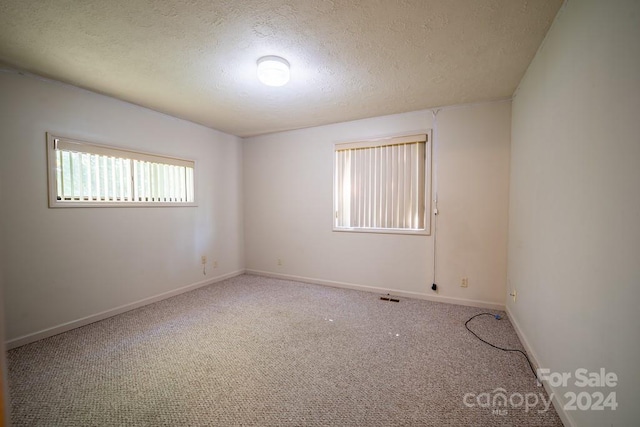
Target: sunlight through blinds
98,174
381,185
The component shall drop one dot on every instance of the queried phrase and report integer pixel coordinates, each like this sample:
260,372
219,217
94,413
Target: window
84,174
383,185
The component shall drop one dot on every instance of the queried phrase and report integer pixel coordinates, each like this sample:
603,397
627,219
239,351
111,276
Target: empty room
320,213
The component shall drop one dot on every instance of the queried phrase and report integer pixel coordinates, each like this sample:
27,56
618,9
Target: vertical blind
381,185
92,173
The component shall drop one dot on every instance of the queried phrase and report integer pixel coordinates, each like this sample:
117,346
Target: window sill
383,231
76,204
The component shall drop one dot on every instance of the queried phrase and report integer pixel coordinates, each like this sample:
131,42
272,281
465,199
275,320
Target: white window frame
53,141
381,141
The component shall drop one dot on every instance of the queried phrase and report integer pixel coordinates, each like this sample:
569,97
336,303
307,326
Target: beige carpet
253,351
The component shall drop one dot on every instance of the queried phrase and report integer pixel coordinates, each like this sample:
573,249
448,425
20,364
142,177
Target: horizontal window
85,174
383,185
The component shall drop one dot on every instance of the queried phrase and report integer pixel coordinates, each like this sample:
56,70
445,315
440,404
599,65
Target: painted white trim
558,398
55,142
407,294
55,330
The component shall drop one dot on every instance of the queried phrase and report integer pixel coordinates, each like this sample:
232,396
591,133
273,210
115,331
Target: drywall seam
55,330
407,294
558,399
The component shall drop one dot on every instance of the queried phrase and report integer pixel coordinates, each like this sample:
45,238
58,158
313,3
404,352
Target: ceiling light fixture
273,70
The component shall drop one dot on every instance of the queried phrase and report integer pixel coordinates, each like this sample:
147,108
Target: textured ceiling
196,59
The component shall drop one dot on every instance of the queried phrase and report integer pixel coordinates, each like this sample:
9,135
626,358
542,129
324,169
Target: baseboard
417,295
55,330
558,397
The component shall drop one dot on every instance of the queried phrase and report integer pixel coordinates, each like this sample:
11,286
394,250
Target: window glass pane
91,174
381,186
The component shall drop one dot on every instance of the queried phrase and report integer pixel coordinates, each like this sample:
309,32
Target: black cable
497,316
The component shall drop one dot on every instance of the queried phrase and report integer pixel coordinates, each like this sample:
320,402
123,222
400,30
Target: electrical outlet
464,282
203,259
279,261
215,264
514,295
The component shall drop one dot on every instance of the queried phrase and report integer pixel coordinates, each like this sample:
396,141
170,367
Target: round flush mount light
273,70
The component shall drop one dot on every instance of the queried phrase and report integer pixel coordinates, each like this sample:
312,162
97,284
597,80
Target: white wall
574,235
4,386
61,265
288,184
